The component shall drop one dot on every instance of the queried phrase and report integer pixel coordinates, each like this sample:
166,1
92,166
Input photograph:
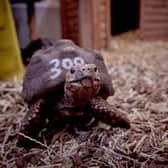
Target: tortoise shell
46,70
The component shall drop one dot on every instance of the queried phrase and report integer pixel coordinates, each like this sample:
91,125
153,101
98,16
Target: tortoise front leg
109,114
32,123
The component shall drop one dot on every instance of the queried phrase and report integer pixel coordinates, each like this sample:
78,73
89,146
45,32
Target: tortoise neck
75,97
74,101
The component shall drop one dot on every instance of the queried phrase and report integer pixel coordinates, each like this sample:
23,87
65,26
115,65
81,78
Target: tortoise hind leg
109,114
32,124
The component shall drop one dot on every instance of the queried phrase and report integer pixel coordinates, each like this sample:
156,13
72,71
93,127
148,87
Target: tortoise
63,82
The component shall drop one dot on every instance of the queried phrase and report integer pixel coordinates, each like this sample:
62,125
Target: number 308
65,63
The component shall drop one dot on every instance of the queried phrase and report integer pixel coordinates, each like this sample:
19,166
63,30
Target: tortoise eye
95,69
72,71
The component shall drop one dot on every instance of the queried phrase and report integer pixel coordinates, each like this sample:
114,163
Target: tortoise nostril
72,70
95,69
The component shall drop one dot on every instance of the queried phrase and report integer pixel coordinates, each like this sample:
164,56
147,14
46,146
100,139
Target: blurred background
132,36
89,23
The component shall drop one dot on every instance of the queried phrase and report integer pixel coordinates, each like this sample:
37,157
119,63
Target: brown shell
38,81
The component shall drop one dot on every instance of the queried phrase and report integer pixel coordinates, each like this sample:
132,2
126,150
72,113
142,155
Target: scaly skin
82,83
32,122
108,114
81,92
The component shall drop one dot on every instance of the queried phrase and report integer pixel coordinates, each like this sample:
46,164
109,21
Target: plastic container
10,59
21,23
48,19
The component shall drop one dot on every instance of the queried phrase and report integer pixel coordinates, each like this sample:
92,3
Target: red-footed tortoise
64,81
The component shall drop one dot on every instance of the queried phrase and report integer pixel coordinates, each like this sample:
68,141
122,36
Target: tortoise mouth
79,92
82,79
85,81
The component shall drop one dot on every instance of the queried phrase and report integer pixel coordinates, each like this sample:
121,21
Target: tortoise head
82,82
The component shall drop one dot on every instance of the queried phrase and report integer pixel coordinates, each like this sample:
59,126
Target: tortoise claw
31,124
108,114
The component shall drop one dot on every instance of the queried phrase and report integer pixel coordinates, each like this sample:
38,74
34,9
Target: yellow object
10,58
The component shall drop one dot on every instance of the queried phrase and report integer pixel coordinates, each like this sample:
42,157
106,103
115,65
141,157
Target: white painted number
55,70
78,60
66,63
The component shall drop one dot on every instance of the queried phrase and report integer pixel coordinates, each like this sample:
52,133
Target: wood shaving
139,72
